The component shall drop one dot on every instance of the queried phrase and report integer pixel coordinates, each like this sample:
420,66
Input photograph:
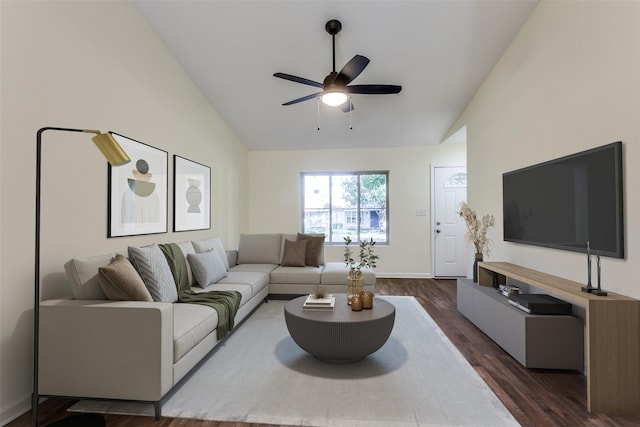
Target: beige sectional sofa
93,347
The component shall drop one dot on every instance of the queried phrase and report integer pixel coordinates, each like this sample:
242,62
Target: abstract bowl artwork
141,188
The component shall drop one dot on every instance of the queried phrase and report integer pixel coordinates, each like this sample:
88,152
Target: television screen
567,202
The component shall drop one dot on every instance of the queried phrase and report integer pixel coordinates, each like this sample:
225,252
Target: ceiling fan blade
347,106
373,89
304,98
297,79
351,70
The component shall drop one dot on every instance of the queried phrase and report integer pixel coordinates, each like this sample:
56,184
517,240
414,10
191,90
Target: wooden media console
612,336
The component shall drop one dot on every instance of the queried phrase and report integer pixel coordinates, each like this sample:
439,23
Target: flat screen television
567,202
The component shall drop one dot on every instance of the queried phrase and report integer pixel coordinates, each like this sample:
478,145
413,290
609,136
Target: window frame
357,208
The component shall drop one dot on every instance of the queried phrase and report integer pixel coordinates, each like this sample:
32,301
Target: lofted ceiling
440,52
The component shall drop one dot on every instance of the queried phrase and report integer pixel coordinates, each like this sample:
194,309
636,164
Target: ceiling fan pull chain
318,113
350,110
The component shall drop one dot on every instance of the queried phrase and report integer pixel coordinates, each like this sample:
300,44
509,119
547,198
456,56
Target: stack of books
326,303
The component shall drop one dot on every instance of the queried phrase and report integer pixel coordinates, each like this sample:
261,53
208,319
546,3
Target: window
458,180
341,204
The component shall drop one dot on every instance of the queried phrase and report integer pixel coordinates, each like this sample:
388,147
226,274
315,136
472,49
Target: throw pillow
207,268
315,249
121,282
294,253
213,243
152,266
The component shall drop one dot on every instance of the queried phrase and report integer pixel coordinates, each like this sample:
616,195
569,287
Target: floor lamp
116,156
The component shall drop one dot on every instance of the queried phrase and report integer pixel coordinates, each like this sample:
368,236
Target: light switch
421,212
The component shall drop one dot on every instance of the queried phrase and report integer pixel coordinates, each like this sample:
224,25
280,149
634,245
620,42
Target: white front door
450,248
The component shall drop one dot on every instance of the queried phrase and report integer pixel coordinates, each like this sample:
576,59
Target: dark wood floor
535,397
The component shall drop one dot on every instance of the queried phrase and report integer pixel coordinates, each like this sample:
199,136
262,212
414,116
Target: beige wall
569,81
94,65
275,199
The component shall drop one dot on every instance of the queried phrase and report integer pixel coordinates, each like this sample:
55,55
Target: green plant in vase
367,259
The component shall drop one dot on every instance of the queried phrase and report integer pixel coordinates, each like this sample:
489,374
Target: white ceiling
440,52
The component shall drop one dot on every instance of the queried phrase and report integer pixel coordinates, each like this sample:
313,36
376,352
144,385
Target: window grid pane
346,204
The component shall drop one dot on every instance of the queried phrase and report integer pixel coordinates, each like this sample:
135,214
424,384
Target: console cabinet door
484,313
510,331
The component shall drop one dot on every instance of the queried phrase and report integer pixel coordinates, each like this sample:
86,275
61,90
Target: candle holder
366,298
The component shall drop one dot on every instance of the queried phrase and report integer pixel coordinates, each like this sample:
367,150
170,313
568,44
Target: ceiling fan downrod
333,27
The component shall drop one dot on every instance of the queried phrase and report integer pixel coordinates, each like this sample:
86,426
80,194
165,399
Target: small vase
478,258
355,285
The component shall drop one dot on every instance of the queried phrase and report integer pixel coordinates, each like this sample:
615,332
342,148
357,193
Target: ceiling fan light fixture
334,98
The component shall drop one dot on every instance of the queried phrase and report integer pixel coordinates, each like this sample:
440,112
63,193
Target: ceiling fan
335,87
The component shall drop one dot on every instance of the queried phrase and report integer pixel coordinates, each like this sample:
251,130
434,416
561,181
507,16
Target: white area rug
259,375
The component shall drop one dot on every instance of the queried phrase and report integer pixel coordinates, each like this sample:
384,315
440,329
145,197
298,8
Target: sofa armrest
106,349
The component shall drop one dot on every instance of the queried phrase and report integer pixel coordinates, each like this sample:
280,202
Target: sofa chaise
95,347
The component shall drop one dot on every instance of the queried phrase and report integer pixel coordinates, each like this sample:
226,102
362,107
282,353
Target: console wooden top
564,288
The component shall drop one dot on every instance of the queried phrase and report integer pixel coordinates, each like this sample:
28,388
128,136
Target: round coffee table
341,335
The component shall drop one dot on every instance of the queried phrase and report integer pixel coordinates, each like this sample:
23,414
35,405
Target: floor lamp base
80,420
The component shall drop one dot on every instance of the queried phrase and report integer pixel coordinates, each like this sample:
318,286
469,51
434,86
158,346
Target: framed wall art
191,195
138,191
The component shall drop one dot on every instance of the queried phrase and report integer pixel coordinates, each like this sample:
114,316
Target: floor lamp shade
110,149
116,156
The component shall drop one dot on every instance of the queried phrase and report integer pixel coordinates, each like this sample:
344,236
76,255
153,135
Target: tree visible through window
353,204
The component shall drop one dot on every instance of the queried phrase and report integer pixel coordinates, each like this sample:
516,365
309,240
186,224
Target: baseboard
14,410
404,275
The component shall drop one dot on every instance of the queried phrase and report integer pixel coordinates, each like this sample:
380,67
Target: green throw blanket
225,303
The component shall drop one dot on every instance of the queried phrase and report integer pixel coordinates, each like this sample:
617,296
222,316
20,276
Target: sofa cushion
254,268
300,275
257,281
335,273
121,282
213,243
315,249
259,249
83,276
207,268
187,248
294,253
152,266
191,324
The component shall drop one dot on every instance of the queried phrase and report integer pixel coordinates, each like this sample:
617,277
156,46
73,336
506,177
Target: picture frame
138,190
191,195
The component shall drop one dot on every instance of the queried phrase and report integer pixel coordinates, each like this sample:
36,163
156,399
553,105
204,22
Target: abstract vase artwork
192,195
